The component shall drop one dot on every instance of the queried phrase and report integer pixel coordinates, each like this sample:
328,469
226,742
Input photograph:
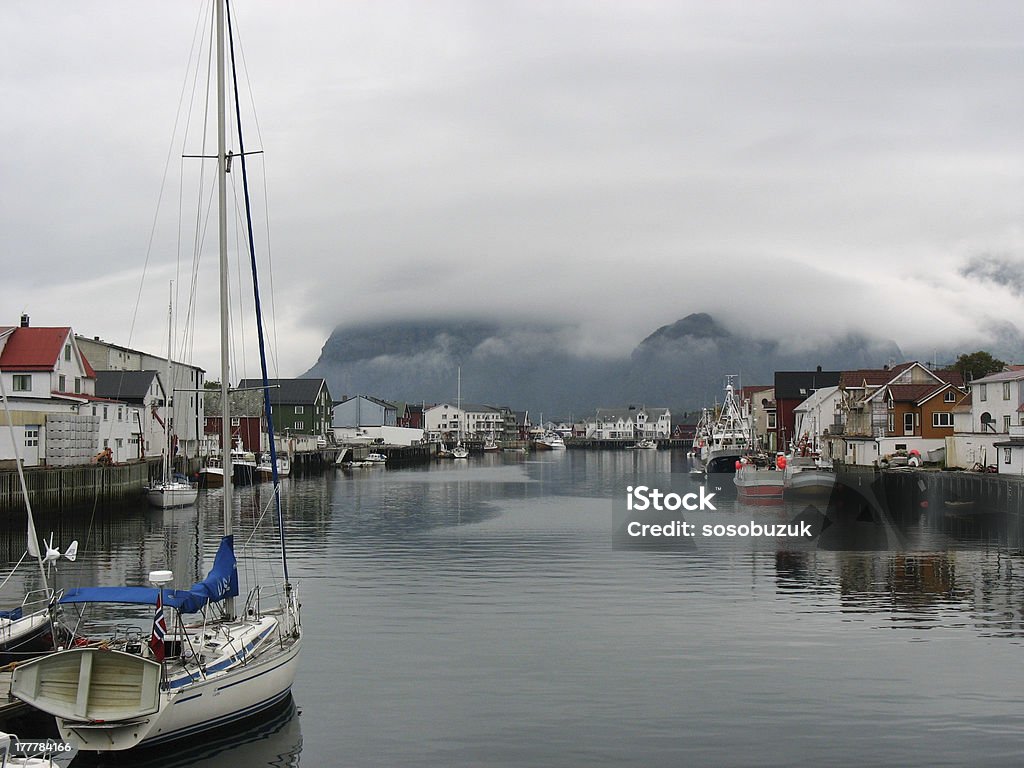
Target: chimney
24,320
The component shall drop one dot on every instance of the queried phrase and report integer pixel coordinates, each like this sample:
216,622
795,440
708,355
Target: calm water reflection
475,614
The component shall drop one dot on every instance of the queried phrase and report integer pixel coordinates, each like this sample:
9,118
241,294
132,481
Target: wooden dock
52,488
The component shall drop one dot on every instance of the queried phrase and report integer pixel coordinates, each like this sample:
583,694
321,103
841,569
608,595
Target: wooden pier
397,455
51,488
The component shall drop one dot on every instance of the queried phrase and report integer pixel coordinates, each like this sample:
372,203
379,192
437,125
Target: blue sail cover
220,583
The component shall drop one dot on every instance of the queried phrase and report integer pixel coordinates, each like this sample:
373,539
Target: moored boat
551,441
265,470
212,473
730,436
757,485
170,491
808,481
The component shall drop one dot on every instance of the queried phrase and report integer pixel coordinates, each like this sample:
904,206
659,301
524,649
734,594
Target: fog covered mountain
535,367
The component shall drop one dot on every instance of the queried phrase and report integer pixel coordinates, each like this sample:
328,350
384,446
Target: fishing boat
212,473
265,471
758,485
222,664
647,445
730,435
490,445
243,464
170,491
807,479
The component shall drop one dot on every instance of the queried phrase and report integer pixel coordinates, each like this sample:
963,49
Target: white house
1009,455
985,432
51,390
632,423
185,387
996,402
446,421
144,390
815,418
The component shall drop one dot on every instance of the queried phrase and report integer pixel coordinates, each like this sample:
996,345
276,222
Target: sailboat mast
222,221
169,388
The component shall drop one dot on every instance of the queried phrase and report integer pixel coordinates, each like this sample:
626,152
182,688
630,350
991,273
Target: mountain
688,360
533,366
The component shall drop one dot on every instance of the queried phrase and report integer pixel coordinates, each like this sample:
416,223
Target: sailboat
170,492
460,451
219,668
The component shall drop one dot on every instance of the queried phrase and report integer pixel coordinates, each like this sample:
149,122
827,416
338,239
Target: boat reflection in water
273,739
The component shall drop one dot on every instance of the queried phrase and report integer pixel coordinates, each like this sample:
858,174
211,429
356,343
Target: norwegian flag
156,642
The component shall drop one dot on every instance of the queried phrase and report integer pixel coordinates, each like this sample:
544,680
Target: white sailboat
460,451
225,665
170,492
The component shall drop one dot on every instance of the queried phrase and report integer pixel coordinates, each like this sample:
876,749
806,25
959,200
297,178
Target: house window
982,392
32,436
297,425
1006,455
771,421
892,422
119,413
22,383
78,386
235,421
120,442
299,409
104,418
949,397
942,419
1006,390
1006,423
62,382
67,351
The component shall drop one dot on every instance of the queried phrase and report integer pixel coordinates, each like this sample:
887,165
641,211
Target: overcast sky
794,168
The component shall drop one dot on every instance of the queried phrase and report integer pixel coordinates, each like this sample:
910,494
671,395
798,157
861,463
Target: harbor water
475,613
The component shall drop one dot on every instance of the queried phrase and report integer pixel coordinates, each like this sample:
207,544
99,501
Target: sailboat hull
163,716
166,495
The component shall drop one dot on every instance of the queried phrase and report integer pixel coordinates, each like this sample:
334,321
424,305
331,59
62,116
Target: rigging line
199,230
160,195
259,312
266,199
240,243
